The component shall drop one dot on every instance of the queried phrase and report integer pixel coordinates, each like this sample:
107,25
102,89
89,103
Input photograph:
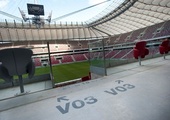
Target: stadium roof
131,15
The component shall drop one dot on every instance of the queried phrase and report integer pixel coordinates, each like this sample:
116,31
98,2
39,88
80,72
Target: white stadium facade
120,90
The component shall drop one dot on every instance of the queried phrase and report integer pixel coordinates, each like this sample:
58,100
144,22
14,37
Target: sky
58,8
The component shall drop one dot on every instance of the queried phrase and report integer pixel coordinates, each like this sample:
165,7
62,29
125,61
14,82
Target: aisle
137,93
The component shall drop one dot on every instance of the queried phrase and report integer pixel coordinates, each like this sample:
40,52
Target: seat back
164,47
16,60
165,43
140,46
140,50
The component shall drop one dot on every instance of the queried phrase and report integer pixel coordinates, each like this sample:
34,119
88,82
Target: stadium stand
59,45
79,57
124,37
164,31
109,54
125,93
74,45
113,39
37,62
126,53
84,44
150,31
120,54
87,55
54,60
136,35
153,50
66,59
129,55
70,41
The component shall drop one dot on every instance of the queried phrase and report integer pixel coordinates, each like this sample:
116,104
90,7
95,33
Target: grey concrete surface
134,93
29,88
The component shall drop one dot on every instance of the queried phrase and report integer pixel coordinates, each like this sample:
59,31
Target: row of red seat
65,59
140,50
164,48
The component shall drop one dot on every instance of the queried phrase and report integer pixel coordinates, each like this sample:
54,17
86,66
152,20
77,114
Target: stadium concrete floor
129,92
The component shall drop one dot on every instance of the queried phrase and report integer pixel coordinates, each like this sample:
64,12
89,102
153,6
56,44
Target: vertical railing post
21,84
51,70
164,55
139,59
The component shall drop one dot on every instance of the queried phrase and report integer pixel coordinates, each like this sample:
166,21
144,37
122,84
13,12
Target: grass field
70,71
65,72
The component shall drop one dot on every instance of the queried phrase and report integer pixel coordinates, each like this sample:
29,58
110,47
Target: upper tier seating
54,60
164,31
79,57
150,31
109,54
67,59
37,62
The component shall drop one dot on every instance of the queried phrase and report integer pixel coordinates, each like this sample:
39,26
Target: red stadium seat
86,78
140,51
164,48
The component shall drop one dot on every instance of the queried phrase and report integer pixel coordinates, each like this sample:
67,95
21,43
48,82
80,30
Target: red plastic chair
164,48
140,51
86,78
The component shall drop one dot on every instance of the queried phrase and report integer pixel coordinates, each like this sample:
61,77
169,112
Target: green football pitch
63,72
71,71
66,72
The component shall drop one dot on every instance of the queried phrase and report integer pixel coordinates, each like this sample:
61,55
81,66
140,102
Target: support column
21,84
